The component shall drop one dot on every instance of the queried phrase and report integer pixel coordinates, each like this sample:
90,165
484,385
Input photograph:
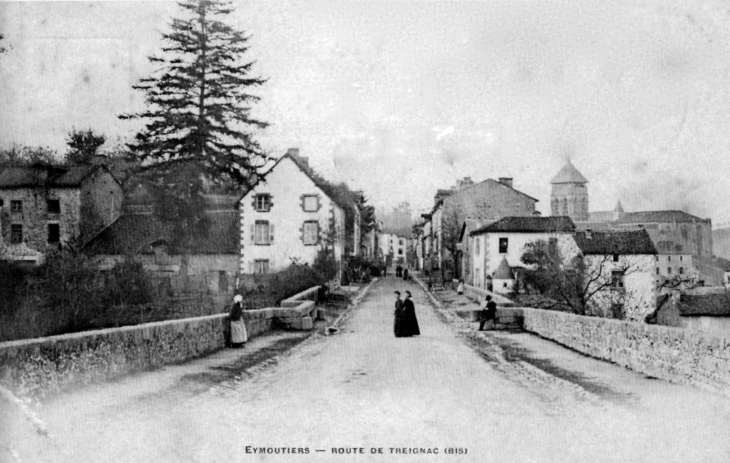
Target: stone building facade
44,207
569,195
287,218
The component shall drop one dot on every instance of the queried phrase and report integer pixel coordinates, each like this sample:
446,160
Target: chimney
293,151
589,234
466,182
441,194
506,181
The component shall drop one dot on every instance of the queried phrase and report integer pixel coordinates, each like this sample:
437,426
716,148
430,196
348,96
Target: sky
401,98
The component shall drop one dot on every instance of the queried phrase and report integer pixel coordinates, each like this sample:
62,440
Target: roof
46,176
569,174
469,226
503,272
708,305
304,167
134,233
531,224
490,182
614,242
657,216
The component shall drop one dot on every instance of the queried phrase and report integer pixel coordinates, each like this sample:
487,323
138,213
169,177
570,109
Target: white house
287,218
395,245
627,260
506,239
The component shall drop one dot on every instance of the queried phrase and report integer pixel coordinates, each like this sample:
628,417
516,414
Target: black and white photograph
365,231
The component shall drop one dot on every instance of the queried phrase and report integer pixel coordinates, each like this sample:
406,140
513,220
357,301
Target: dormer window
263,202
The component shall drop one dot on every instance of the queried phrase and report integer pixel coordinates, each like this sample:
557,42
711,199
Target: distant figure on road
409,317
398,325
399,271
405,274
238,328
488,312
460,288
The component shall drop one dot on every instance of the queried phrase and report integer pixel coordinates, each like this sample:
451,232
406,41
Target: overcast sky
401,98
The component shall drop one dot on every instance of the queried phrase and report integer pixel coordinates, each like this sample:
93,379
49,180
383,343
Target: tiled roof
533,224
569,174
503,272
615,242
133,233
45,176
657,216
709,304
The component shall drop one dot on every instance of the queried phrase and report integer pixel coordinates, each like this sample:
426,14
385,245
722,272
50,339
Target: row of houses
288,218
479,231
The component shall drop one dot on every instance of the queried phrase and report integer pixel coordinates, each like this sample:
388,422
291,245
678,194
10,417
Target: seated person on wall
322,292
488,312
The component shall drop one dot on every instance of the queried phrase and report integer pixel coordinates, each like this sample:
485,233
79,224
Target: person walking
460,288
405,274
409,316
398,324
239,336
488,312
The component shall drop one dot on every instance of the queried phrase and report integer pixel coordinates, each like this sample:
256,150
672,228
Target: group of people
401,272
405,324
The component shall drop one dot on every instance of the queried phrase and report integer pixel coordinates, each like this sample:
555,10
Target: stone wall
674,354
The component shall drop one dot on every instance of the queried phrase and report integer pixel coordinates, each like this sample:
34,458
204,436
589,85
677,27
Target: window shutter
271,233
253,233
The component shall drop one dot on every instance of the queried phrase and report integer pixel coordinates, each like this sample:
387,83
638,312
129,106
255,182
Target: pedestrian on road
488,312
409,316
398,325
460,288
405,274
398,271
239,336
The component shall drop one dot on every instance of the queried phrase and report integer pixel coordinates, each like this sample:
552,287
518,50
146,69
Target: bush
268,290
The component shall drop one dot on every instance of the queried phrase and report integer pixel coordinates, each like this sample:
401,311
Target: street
450,394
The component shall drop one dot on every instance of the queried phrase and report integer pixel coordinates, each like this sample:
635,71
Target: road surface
494,397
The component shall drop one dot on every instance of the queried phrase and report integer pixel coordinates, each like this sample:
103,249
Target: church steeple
569,194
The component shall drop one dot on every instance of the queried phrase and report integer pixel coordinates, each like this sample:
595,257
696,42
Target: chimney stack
589,234
293,151
506,181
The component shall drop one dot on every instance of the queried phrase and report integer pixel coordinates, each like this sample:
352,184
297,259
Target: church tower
570,195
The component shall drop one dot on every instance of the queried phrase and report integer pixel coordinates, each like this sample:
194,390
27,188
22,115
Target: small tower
569,195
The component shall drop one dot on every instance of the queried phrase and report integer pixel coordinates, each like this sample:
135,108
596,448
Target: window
263,203
261,266
54,206
657,270
615,257
16,206
669,270
503,244
656,258
16,233
476,245
669,258
617,279
681,270
680,258
311,232
2,203
54,233
310,203
261,232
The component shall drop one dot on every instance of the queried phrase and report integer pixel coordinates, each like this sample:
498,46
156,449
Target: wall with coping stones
675,354
44,367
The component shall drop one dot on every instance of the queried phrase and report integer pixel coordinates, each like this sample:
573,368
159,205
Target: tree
199,108
28,155
452,221
83,146
586,285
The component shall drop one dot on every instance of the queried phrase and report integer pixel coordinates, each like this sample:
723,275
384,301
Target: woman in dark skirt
409,317
398,324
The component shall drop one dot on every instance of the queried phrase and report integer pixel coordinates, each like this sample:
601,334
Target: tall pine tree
199,122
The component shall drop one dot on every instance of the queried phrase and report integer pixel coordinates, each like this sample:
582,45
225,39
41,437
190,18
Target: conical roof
569,174
503,272
619,207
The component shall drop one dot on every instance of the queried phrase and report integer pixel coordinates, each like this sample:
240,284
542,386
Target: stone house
704,312
488,201
395,245
43,207
506,238
464,257
622,267
288,218
204,261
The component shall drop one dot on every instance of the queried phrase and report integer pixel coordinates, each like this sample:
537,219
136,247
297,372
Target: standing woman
238,328
409,315
398,325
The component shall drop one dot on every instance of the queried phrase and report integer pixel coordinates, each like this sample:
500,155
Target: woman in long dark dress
409,317
398,324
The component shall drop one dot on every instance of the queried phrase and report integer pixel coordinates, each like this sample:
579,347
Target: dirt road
495,397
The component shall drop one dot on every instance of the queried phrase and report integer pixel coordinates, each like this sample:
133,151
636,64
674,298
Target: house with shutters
288,217
505,240
43,207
